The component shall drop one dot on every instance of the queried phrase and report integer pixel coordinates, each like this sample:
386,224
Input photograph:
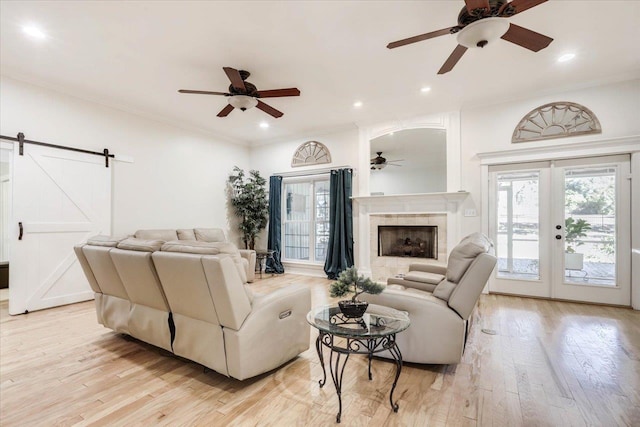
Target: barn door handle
21,231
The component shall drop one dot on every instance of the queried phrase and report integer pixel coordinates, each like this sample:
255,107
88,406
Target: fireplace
413,241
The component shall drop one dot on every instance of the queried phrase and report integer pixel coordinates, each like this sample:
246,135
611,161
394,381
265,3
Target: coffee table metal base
345,347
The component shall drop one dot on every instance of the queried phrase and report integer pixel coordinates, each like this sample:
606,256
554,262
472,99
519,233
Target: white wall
177,178
489,128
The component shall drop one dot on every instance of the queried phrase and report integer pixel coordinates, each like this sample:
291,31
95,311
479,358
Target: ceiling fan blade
477,4
234,76
419,38
269,109
203,92
522,5
453,59
276,93
526,38
225,111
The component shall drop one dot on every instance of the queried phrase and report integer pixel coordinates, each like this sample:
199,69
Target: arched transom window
556,120
311,153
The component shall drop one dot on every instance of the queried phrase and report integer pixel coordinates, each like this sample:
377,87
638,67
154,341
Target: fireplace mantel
404,203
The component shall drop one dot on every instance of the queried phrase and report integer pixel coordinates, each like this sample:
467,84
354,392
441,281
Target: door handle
558,236
21,231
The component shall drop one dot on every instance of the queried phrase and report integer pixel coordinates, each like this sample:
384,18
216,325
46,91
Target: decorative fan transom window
556,120
311,153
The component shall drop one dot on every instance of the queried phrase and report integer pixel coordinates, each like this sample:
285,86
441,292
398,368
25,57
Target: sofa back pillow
107,241
142,245
209,234
165,235
186,234
190,247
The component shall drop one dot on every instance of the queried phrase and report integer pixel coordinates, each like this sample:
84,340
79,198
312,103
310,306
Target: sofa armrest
429,268
273,333
250,256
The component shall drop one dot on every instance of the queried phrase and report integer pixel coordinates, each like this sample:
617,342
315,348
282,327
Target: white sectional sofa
191,297
212,235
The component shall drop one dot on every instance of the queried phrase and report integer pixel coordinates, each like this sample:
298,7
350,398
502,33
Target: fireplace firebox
416,241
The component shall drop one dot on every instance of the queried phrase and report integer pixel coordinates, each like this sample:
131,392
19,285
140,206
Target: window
306,219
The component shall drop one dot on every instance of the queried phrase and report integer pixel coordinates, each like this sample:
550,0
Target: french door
562,229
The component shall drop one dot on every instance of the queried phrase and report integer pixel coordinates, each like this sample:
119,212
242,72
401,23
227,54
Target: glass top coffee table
373,333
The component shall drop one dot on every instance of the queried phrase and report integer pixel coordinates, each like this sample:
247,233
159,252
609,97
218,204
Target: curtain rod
293,174
20,139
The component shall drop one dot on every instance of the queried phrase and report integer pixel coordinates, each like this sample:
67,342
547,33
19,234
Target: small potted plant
349,281
574,230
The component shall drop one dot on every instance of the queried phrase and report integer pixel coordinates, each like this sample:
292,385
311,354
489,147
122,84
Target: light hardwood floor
551,363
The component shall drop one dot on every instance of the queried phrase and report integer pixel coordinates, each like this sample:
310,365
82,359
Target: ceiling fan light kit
480,33
481,22
243,102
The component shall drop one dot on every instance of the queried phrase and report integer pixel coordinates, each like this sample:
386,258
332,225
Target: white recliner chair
440,301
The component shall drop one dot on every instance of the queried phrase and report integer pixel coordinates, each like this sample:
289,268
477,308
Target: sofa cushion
424,277
191,247
209,234
165,235
444,290
143,245
186,234
108,241
464,253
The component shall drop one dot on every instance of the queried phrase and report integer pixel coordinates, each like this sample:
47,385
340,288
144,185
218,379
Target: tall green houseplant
249,201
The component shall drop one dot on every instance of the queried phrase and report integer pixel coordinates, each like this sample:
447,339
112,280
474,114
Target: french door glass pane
296,240
322,219
590,225
518,227
297,219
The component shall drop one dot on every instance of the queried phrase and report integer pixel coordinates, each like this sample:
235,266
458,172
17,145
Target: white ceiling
136,55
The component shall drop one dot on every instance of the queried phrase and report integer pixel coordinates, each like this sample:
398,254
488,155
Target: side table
262,255
373,333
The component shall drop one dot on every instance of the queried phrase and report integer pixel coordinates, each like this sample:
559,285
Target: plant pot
573,261
353,309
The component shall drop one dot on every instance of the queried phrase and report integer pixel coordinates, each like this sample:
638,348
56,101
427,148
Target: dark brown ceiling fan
481,21
380,162
244,95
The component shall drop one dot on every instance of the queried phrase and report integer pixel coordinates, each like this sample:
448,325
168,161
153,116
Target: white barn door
60,198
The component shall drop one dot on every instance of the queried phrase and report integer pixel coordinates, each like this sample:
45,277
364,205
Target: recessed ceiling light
566,57
264,125
33,31
357,104
425,89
